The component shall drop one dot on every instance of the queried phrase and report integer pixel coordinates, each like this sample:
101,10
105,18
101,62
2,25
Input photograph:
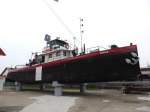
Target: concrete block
2,81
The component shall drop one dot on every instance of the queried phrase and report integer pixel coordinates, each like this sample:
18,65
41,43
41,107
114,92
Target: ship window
64,53
50,55
58,53
68,54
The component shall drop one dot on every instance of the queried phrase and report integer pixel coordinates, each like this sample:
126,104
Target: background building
2,52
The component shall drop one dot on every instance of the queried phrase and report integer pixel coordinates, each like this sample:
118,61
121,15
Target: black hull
100,66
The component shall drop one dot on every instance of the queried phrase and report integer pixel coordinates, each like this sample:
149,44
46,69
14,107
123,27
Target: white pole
81,32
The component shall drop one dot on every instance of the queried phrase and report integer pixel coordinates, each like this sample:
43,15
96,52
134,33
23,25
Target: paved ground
92,101
11,101
112,101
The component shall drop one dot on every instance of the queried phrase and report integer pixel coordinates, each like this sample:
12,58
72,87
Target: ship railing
94,49
47,48
20,66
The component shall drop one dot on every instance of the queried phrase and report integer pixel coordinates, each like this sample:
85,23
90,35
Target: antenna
74,40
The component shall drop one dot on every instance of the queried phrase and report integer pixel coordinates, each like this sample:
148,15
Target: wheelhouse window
50,55
64,53
58,53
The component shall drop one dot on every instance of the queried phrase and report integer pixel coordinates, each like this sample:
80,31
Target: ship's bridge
56,49
54,44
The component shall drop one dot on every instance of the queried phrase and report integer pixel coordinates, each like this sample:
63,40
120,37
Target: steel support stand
2,81
83,88
42,87
18,86
58,88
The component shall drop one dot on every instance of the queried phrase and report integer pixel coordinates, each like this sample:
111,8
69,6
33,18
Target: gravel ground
91,101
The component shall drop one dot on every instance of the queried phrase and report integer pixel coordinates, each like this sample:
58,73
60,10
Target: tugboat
57,62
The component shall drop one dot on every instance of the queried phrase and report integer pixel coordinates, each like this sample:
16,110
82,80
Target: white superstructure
55,50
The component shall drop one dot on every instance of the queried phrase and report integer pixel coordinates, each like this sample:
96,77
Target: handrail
20,66
94,49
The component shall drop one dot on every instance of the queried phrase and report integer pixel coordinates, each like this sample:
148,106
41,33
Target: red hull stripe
84,56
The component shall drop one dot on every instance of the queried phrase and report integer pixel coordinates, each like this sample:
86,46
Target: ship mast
81,33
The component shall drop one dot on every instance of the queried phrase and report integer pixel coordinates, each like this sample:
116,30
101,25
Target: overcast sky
23,24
